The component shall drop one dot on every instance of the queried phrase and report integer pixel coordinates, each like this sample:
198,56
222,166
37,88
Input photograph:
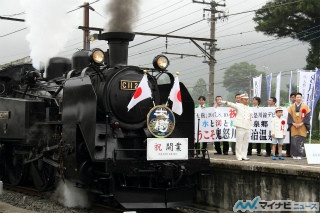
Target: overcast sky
235,36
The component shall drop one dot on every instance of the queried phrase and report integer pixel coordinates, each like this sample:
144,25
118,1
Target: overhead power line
250,11
244,45
167,33
13,32
11,19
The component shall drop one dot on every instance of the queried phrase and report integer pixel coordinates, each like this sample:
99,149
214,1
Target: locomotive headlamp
160,62
97,56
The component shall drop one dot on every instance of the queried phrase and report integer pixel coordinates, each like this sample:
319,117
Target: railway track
24,190
28,192
25,194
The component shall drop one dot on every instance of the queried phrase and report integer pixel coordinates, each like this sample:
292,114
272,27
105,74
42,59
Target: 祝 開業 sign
167,149
216,124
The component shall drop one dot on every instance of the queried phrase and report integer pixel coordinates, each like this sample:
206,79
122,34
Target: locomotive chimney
118,46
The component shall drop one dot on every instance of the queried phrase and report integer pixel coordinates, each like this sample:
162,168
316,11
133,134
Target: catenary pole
212,44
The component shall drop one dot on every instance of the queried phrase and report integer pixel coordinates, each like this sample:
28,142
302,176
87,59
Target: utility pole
86,32
212,45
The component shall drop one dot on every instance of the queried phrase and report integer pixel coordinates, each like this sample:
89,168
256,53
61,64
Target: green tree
199,89
238,78
295,19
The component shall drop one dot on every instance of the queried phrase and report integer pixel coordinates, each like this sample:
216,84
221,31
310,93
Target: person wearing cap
278,132
243,124
233,145
298,124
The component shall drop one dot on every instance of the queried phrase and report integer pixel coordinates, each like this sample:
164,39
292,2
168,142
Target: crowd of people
297,123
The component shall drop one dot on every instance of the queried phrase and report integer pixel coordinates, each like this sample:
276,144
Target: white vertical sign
257,86
306,87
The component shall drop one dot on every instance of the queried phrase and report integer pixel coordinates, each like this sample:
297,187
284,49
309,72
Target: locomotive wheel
42,175
17,171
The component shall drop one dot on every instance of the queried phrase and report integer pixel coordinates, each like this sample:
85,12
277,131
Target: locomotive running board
143,198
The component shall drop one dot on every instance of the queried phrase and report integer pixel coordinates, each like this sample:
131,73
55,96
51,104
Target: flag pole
298,78
312,106
290,87
142,92
154,104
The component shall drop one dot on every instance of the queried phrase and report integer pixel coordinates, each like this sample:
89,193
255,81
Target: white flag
257,86
269,80
175,97
278,89
306,86
142,92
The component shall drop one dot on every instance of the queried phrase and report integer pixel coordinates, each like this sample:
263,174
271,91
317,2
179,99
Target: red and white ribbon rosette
303,114
283,122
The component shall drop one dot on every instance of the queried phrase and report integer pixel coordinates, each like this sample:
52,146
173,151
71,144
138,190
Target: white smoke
50,28
123,14
70,196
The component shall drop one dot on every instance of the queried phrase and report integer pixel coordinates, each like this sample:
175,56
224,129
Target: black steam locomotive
71,122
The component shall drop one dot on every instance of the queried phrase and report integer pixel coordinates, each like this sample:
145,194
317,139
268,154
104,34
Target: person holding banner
201,104
271,103
255,103
298,125
243,124
292,99
225,144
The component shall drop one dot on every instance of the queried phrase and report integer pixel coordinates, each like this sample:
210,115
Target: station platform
266,164
229,180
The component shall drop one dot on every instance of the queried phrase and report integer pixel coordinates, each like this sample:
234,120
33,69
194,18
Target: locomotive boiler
71,122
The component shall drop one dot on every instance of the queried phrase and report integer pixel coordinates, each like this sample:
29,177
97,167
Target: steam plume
123,13
50,27
70,196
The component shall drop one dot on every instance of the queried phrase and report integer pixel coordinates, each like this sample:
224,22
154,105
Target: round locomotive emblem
160,121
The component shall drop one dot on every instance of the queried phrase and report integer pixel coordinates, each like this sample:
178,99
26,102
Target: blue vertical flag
316,89
269,79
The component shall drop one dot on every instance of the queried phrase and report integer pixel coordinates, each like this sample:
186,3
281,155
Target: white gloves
223,102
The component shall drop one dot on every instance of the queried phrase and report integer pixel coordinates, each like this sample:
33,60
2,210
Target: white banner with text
216,124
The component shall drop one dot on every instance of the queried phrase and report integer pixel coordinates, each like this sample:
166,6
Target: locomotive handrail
39,96
83,72
70,73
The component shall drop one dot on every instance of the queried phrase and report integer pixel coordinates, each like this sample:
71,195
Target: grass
315,137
